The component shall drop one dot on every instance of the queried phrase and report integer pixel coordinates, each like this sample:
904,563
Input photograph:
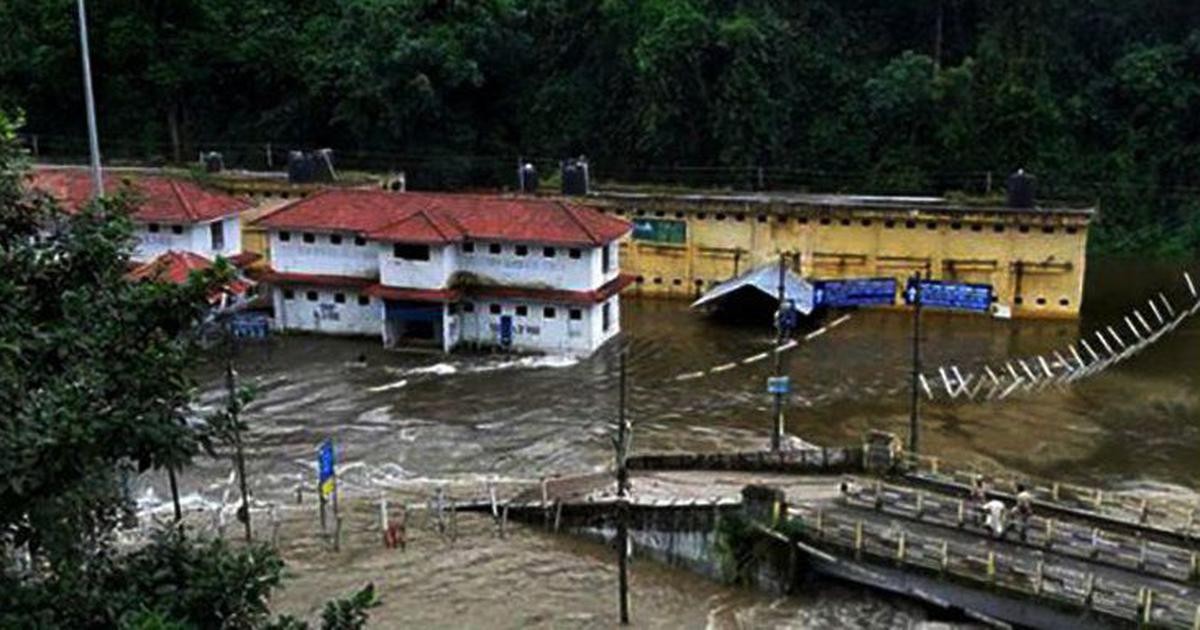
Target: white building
442,270
169,214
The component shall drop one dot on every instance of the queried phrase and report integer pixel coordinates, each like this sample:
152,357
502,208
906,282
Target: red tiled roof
321,280
162,199
609,289
242,259
413,295
175,267
445,218
171,266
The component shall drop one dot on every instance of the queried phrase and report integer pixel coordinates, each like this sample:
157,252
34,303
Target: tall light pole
93,138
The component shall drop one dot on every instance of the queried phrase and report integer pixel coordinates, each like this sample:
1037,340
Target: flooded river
400,417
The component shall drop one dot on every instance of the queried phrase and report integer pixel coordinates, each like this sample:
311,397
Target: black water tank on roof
213,162
1021,189
575,177
306,168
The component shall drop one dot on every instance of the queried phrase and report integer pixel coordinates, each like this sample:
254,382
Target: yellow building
685,243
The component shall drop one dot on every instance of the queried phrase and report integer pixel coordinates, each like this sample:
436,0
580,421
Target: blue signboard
778,385
962,296
854,292
325,462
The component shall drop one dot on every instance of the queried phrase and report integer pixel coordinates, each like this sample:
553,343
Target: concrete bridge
873,515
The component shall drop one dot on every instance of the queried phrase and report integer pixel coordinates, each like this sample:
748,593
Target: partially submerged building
684,244
440,270
170,214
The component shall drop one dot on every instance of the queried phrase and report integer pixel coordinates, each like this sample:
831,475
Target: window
910,225
1072,230
494,248
1024,229
548,252
177,229
311,296
762,218
702,216
335,239
522,311
720,216
660,214
285,236
1064,302
931,225
658,281
289,294
1047,229
575,314
575,253
998,228
216,231
468,247
549,312
494,309
309,237
866,223
976,227
364,300
641,279
845,222
468,307
889,224
605,317
340,298
1041,301
407,251
521,250
740,217
360,241
956,226
153,228
605,259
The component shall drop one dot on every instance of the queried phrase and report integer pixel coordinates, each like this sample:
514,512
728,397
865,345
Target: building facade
684,244
170,214
439,271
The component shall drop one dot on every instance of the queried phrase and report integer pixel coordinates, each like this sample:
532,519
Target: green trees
94,386
1096,96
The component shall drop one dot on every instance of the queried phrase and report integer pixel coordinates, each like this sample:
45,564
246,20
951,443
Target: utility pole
914,421
93,138
234,404
175,493
777,431
621,443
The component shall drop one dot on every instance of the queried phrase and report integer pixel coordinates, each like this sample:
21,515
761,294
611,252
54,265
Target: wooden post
900,548
557,515
945,555
1054,491
299,495
337,531
170,474
920,503
858,539
1038,578
503,520
933,465
991,567
820,523
1049,532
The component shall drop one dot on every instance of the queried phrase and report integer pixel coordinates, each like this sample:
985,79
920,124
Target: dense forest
1099,98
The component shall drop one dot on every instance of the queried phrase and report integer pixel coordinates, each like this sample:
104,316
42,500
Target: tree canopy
95,386
1099,98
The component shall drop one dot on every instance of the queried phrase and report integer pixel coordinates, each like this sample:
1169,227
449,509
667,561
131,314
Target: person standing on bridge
1024,508
994,511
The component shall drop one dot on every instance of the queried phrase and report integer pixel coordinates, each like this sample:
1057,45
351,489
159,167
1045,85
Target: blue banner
961,296
854,292
325,464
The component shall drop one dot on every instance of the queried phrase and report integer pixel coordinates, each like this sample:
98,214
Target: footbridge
874,515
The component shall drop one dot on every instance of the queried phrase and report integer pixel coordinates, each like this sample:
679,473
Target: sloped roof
445,218
766,280
162,199
176,266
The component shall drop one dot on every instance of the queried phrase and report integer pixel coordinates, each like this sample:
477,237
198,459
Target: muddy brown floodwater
402,418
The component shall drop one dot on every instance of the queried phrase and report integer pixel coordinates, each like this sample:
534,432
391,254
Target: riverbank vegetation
1099,98
95,389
